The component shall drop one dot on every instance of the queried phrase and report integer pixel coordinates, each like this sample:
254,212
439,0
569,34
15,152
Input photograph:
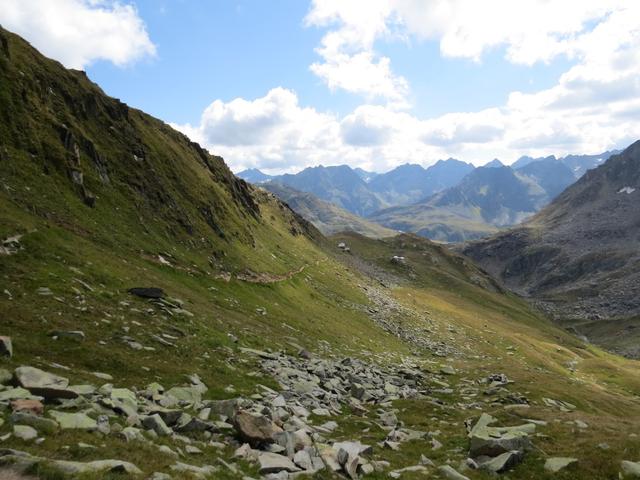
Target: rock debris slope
579,258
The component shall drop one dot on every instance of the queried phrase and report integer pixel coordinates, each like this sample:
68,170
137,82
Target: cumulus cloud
592,107
80,32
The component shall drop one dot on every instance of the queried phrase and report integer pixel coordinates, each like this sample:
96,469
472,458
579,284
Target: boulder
255,429
147,292
155,423
274,463
188,395
630,469
43,425
43,383
485,440
6,347
450,473
24,432
97,466
77,335
31,377
502,462
555,464
73,421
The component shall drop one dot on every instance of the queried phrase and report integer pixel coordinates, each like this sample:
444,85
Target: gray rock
274,463
24,432
42,425
450,473
255,429
186,395
555,464
199,472
302,459
630,469
31,377
485,440
502,462
73,421
155,423
43,383
77,335
132,434
6,347
97,466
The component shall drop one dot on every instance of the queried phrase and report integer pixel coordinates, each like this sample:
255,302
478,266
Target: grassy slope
500,333
115,245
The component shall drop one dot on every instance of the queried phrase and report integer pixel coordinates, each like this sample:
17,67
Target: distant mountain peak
495,163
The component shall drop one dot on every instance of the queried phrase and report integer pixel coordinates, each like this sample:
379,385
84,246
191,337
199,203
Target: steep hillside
164,319
579,257
325,216
339,185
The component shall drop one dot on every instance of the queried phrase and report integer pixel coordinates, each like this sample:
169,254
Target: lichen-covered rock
255,429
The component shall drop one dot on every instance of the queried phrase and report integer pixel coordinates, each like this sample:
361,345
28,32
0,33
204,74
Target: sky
281,85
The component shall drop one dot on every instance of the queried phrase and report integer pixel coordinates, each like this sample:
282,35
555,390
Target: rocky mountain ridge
578,257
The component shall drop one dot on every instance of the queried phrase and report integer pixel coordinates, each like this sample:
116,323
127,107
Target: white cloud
80,32
593,107
349,61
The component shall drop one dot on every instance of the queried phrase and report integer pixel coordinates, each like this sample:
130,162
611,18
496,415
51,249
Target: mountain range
325,216
450,201
579,257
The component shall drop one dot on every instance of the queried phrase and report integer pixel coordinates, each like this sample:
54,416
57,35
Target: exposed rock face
579,258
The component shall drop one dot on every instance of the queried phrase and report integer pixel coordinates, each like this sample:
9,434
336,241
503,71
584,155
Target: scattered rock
77,335
630,469
24,432
147,292
255,429
73,421
450,473
155,423
274,463
555,464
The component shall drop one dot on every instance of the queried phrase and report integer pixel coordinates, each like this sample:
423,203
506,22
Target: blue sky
227,49
284,84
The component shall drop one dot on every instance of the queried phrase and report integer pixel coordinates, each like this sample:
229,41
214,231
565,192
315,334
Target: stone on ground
6,347
274,463
73,421
450,473
23,432
630,469
255,429
555,464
